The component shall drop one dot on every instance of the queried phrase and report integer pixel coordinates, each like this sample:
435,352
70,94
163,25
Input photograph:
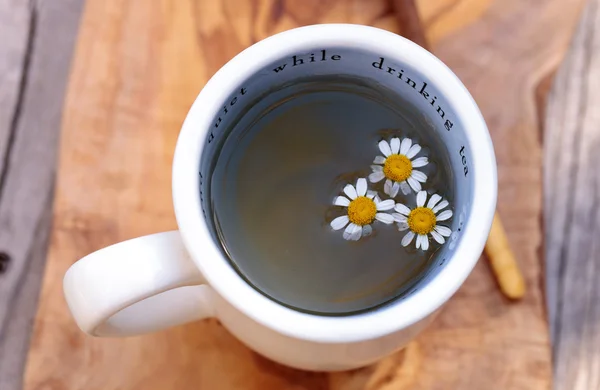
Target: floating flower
422,220
363,208
398,167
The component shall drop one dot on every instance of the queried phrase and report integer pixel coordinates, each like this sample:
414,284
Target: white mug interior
367,53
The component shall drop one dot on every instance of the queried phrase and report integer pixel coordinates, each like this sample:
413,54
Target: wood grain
572,219
15,19
136,71
32,83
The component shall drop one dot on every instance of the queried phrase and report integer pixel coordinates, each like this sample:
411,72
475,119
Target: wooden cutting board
137,68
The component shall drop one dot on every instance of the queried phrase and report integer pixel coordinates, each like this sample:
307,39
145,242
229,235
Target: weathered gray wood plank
572,209
15,18
35,51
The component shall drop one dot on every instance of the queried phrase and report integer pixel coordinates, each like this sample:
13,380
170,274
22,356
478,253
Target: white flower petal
418,241
402,226
350,191
443,230
444,215
361,187
419,162
341,201
412,152
405,145
376,168
385,218
405,187
419,176
437,236
356,233
379,160
348,231
376,177
339,222
385,205
421,198
424,242
385,148
435,198
387,187
440,206
371,194
367,230
415,185
408,237
395,145
402,209
395,188
399,217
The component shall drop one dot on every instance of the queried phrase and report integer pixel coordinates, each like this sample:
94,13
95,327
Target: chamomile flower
397,166
423,220
363,207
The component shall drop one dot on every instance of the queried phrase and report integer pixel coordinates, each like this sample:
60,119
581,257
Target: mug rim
220,275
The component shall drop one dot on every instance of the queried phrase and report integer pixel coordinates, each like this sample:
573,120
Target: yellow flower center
421,220
361,211
397,167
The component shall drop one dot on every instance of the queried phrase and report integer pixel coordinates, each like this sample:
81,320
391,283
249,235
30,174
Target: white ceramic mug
166,279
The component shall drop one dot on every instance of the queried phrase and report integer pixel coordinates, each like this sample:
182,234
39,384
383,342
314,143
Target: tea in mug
331,195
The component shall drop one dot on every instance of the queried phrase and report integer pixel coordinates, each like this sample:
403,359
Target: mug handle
137,286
